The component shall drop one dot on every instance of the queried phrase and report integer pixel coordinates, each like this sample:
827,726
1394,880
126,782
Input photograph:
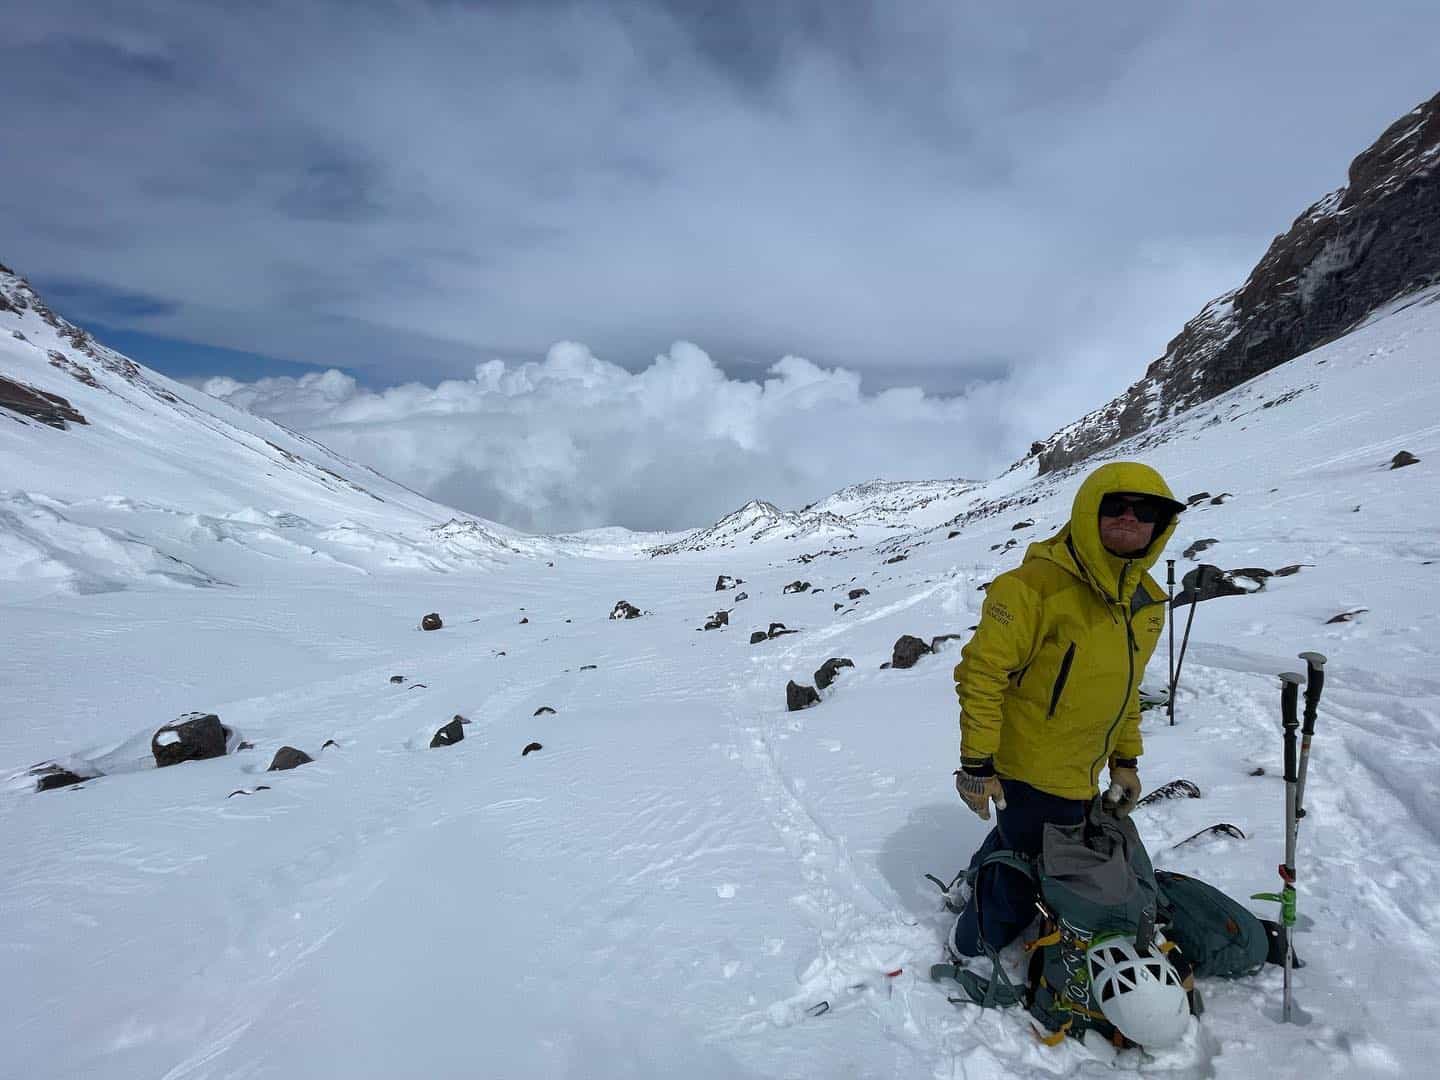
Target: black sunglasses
1145,509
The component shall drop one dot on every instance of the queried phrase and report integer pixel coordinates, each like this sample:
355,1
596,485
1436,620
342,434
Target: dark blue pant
1005,897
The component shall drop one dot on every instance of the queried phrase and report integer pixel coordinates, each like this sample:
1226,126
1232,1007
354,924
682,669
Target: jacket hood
1077,545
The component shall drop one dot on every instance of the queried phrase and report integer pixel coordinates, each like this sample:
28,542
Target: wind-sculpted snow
687,880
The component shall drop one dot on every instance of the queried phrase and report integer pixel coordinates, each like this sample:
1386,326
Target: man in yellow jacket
1049,685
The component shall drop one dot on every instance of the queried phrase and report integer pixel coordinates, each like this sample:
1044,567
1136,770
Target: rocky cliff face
1358,248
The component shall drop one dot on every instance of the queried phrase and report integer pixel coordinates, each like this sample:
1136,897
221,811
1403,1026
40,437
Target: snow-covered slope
115,475
686,880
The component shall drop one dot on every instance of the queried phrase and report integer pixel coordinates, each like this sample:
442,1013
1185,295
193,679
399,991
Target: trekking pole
1289,696
1200,577
1170,611
1314,683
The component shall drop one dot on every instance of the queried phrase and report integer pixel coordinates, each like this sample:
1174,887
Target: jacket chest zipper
1060,679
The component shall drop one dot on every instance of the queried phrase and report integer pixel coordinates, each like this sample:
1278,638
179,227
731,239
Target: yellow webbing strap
1041,942
1054,1038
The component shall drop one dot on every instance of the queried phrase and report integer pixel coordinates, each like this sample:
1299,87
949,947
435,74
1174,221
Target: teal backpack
1094,880
1218,937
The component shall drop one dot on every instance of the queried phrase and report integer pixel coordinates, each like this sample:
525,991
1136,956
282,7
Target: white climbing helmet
1140,993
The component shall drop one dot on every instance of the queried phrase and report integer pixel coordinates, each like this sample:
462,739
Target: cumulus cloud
934,192
576,442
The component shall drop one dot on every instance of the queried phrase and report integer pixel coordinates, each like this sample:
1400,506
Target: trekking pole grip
1289,698
1314,683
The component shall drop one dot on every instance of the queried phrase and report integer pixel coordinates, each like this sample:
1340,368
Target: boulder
397,679
1198,546
952,534
825,673
1207,582
716,621
1403,458
757,636
1028,523
725,581
799,697
1346,616
50,776
908,649
796,587
530,748
1199,496
588,667
448,735
543,710
193,737
855,594
1222,498
623,609
1293,568
741,596
431,622
524,619
897,558
287,757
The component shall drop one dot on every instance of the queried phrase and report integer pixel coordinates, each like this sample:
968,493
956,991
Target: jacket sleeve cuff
978,766
1118,762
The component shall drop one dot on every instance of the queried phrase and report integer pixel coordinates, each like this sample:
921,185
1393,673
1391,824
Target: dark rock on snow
397,679
287,757
725,581
1198,546
855,594
1403,458
741,596
448,735
1206,582
799,697
50,409
193,737
530,748
50,776
623,609
757,636
431,622
543,710
940,639
825,674
1026,524
796,587
1346,616
908,649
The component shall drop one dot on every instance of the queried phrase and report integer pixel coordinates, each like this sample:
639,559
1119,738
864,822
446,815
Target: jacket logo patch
1157,622
999,612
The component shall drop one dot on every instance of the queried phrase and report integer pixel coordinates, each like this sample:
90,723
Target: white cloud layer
575,442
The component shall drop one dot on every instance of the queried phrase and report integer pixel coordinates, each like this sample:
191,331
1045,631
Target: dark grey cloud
935,192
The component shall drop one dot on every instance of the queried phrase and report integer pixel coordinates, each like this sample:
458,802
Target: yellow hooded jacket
1049,684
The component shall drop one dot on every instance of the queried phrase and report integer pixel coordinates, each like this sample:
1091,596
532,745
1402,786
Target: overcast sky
1002,205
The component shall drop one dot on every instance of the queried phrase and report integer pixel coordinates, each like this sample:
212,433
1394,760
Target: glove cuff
1124,763
978,766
